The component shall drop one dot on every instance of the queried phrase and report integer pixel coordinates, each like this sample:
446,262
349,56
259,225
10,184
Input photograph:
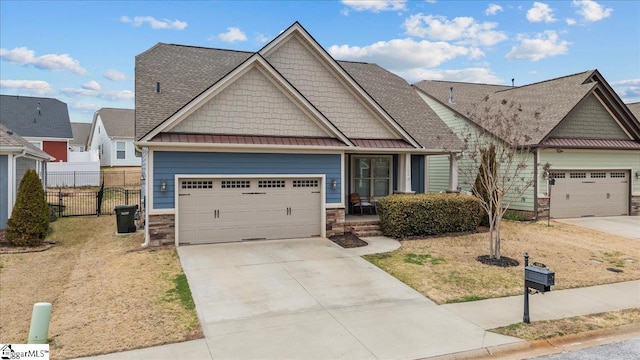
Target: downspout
145,153
535,184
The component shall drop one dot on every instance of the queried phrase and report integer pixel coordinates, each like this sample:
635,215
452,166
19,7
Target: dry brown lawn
450,273
538,330
104,298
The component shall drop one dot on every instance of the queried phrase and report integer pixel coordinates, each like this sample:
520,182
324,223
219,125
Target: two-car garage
241,208
579,193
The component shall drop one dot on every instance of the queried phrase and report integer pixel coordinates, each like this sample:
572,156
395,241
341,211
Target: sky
83,52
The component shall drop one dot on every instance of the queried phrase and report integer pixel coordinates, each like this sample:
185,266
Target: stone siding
335,221
324,89
635,205
251,105
162,230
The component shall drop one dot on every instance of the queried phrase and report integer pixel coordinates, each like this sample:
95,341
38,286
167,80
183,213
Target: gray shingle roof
544,104
10,139
186,71
635,109
118,123
183,73
20,114
80,133
404,105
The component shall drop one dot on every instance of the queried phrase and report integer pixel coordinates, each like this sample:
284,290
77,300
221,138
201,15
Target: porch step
364,228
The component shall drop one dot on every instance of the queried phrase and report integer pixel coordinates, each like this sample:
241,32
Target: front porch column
404,176
453,173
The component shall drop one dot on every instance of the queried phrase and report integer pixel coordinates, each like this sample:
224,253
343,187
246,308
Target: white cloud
117,95
101,94
472,75
591,11
85,107
138,21
628,82
114,75
492,9
233,34
571,21
463,30
543,45
376,5
91,85
402,54
540,12
261,38
35,87
56,62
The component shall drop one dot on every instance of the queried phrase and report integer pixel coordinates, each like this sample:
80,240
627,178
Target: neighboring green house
577,123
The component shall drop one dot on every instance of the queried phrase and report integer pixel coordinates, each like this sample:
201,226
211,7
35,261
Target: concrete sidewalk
557,304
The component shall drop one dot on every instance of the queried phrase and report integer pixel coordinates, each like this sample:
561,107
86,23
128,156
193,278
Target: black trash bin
125,218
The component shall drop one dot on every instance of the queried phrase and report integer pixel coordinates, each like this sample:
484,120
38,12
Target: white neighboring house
112,135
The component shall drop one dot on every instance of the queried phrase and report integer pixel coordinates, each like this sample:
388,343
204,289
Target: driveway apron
311,299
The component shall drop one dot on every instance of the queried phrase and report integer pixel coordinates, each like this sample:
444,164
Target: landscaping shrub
29,219
428,214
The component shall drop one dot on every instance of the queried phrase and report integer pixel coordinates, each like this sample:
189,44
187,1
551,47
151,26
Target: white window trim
352,181
123,150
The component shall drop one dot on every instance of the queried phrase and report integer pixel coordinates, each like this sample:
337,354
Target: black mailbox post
535,277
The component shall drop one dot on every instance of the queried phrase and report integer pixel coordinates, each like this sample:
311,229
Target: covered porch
371,176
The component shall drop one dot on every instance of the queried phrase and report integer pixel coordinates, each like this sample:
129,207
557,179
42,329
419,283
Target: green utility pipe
40,323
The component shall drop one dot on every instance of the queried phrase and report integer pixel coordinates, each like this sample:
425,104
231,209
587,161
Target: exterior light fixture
163,185
334,184
638,174
545,174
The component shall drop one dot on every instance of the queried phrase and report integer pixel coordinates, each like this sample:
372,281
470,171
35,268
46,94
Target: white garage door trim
590,192
179,177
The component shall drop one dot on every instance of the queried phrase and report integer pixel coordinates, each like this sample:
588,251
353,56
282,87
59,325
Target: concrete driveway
309,298
625,226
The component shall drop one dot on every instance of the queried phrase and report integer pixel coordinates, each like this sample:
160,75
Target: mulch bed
502,262
348,240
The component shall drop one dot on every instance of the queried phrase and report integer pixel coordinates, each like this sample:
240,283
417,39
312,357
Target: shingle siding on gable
252,105
590,121
326,92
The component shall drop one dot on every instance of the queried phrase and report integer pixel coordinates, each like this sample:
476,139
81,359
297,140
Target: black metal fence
87,202
74,179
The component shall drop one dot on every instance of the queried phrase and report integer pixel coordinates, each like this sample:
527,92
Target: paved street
625,350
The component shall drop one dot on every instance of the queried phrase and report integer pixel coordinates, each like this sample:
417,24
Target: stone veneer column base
335,221
162,230
635,205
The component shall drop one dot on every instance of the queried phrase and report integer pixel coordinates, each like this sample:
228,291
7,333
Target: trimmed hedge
428,214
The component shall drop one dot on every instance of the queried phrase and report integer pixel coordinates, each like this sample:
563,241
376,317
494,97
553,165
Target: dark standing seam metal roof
80,133
118,123
245,139
184,72
18,114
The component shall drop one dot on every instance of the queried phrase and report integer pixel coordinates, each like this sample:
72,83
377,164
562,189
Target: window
372,176
120,150
555,175
37,144
271,183
620,175
598,175
577,175
305,183
236,184
197,184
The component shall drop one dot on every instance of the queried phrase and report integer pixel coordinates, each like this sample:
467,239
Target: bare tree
496,161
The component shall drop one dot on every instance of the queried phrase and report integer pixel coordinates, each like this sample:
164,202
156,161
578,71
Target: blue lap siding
166,164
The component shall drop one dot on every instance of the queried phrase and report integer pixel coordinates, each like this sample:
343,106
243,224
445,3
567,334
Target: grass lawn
104,298
445,269
538,330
